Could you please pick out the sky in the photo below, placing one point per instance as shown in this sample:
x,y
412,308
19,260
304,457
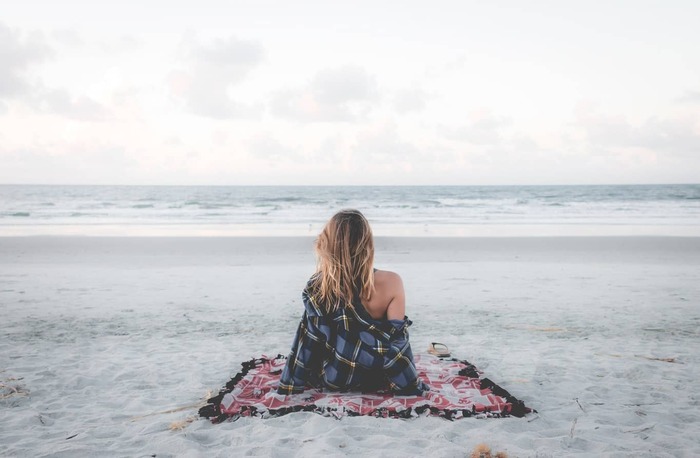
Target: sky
x,y
263,92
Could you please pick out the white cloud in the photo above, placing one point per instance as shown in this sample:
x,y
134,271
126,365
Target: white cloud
x,y
78,163
344,84
68,37
331,149
212,70
410,100
382,144
123,43
342,94
265,146
690,97
18,52
662,135
61,102
482,128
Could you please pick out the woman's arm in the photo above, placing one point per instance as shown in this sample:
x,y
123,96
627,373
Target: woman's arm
x,y
304,360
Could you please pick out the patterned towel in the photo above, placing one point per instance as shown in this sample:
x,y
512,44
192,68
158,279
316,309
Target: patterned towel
x,y
456,391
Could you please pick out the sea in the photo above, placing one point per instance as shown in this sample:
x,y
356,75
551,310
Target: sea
x,y
451,211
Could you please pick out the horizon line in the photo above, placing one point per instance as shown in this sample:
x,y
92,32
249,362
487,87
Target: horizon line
x,y
344,185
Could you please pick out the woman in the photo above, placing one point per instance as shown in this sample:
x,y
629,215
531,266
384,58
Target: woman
x,y
353,334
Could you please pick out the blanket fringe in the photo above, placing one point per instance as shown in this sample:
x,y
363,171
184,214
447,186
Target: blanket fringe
x,y
212,410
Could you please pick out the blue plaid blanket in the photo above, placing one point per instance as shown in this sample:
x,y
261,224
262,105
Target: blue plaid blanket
x,y
349,350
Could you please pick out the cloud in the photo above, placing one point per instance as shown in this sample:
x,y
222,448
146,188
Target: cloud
x,y
61,102
72,39
344,84
123,43
675,136
68,37
382,144
18,52
689,97
265,146
483,128
77,163
410,100
331,149
212,69
343,94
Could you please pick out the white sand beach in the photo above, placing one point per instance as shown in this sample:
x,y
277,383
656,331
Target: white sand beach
x,y
100,335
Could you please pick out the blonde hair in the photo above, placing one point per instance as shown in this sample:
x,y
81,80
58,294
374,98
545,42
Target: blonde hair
x,y
345,255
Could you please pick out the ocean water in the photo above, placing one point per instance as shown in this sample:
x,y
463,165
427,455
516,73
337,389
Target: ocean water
x,y
392,210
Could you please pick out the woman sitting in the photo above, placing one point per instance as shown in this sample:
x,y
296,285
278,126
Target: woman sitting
x,y
353,334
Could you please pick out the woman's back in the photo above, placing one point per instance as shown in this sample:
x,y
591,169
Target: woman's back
x,y
354,332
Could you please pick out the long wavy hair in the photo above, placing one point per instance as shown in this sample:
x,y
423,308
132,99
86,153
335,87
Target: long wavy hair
x,y
345,259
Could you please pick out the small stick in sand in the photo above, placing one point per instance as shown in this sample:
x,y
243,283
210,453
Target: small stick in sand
x,y
664,360
537,328
175,409
182,424
650,358
573,426
14,391
580,406
640,430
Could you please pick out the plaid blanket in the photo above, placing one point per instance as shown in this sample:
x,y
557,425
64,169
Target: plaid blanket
x,y
349,350
457,390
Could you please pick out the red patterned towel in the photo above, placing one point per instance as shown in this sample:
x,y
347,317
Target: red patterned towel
x,y
456,391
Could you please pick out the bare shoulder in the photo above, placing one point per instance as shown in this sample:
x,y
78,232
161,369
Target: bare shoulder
x,y
390,294
386,279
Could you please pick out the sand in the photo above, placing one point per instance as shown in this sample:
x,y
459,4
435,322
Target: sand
x,y
101,334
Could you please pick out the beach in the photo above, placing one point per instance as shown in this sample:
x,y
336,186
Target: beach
x,y
530,173
105,339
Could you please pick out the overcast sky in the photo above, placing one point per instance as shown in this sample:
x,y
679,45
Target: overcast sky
x,y
262,92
